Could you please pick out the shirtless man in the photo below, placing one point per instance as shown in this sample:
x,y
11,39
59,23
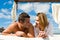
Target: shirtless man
x,y
22,28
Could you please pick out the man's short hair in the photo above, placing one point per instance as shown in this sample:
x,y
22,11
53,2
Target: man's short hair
x,y
22,17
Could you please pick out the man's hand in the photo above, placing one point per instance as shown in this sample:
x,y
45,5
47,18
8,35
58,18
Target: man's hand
x,y
20,34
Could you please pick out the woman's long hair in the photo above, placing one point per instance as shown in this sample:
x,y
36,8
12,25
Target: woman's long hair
x,y
42,20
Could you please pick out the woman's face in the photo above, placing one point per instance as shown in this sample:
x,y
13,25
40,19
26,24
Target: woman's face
x,y
37,21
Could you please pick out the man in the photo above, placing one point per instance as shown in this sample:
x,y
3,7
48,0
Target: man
x,y
21,28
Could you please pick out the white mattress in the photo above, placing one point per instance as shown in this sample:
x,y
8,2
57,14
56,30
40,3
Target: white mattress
x,y
2,37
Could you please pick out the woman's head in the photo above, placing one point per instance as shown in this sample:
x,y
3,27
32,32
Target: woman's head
x,y
41,20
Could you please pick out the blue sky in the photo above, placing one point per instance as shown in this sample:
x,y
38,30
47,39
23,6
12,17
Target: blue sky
x,y
31,8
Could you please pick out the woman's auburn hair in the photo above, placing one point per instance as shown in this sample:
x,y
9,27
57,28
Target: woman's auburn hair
x,y
43,20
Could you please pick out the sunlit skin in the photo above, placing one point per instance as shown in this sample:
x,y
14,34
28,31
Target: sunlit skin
x,y
17,29
37,21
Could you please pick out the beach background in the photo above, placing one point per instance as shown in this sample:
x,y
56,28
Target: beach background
x,y
32,8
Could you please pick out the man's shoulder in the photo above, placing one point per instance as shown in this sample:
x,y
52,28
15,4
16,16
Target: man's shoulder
x,y
14,23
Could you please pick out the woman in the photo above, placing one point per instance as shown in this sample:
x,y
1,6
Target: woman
x,y
42,27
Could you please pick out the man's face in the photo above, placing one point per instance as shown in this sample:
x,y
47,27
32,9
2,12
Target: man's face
x,y
27,21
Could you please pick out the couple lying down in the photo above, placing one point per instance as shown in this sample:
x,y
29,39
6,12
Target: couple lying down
x,y
23,27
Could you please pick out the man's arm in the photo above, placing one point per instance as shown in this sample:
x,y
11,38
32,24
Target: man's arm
x,y
9,29
31,31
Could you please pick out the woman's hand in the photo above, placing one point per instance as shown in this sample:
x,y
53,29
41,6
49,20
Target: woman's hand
x,y
42,34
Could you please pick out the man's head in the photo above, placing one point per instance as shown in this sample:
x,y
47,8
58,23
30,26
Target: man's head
x,y
24,17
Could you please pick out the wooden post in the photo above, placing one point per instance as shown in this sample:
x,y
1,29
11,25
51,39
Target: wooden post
x,y
37,0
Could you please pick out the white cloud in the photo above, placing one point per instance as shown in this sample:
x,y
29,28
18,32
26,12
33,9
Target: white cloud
x,y
32,17
49,15
38,7
25,7
41,7
6,24
6,11
5,16
9,2
1,15
5,3
56,30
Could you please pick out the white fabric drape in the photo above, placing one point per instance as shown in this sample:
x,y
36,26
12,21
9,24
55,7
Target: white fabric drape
x,y
56,13
13,12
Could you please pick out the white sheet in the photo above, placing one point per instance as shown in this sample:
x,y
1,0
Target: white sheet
x,y
2,37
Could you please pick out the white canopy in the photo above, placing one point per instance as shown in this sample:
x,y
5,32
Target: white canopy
x,y
13,12
56,12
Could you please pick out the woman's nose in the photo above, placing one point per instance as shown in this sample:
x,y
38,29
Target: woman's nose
x,y
37,22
